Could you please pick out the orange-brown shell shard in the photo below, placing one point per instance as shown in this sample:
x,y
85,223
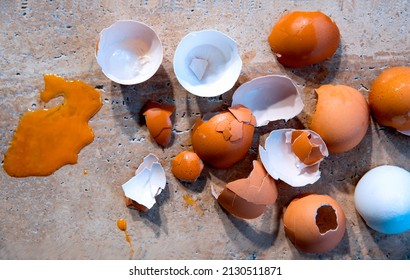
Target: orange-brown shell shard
x,y
308,152
47,139
187,166
158,120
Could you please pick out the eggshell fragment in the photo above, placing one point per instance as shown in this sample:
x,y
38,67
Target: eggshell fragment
x,y
382,198
293,156
314,223
222,139
187,166
129,52
270,98
207,63
342,117
389,98
148,182
247,198
158,120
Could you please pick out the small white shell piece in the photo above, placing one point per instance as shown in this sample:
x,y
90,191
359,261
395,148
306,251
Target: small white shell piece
x,y
281,162
148,182
129,52
207,63
270,98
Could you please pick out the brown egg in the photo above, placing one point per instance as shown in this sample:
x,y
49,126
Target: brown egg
x,y
187,166
247,198
342,117
302,38
223,139
314,223
158,120
389,98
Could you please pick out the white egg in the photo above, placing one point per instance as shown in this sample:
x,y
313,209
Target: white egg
x,y
382,198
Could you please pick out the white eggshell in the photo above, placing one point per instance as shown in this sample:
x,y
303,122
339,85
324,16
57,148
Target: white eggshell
x,y
270,98
382,198
129,52
148,182
219,61
281,163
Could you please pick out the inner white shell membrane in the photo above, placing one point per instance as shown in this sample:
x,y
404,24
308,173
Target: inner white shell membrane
x,y
129,52
220,63
270,98
281,163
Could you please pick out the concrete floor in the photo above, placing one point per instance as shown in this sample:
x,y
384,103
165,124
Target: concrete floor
x,y
72,215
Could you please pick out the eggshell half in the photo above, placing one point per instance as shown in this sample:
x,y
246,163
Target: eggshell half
x,y
314,223
158,120
342,117
129,52
224,138
187,166
382,198
270,98
293,156
207,63
389,98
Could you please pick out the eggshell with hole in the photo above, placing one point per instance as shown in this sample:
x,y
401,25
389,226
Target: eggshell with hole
x,y
314,223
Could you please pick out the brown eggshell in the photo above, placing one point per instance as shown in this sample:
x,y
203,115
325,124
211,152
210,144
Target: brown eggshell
x,y
308,152
187,166
135,205
223,140
258,188
314,223
389,98
158,120
342,117
238,206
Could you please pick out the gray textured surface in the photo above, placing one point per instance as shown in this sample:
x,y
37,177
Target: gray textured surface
x,y
72,215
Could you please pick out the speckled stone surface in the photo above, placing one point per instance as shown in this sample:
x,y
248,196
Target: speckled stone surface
x,y
72,214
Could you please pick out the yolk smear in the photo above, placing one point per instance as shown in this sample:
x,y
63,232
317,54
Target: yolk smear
x,y
47,139
190,201
122,225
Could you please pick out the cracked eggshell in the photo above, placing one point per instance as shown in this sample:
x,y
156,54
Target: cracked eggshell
x,y
314,223
293,156
158,120
207,63
187,166
382,198
342,117
222,139
270,98
129,52
148,182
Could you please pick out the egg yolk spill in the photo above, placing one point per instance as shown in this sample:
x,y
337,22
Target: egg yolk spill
x,y
326,219
47,139
190,201
122,225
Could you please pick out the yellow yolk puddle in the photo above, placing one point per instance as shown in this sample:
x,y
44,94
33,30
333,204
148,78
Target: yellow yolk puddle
x,y
47,139
190,201
122,225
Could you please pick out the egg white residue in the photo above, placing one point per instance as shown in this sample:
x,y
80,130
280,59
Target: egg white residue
x,y
148,182
281,162
382,198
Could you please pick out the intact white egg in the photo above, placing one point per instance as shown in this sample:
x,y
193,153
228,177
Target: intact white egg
x,y
382,198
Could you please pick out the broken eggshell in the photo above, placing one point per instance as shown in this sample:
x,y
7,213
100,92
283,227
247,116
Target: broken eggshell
x,y
207,63
293,156
148,182
270,98
223,139
187,166
158,120
129,52
314,223
247,198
